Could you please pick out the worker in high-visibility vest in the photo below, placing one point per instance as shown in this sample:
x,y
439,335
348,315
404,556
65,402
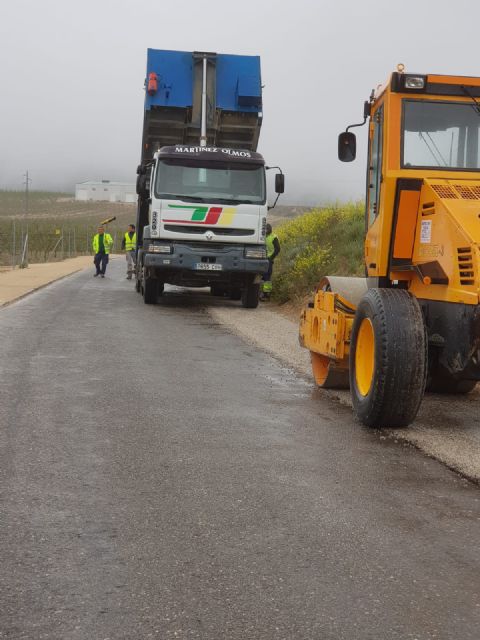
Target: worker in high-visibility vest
x,y
129,243
102,243
273,249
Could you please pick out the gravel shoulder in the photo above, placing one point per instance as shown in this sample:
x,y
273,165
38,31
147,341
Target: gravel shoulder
x,y
447,427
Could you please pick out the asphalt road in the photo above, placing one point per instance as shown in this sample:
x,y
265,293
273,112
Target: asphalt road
x,y
160,478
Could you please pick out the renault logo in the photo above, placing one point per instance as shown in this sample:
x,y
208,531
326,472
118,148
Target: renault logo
x,y
209,235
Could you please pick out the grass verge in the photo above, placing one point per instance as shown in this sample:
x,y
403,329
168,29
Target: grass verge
x,y
324,241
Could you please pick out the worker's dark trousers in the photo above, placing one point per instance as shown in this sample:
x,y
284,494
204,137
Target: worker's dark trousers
x,y
100,261
268,273
266,288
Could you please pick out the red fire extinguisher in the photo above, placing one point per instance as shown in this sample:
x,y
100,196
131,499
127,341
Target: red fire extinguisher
x,y
152,85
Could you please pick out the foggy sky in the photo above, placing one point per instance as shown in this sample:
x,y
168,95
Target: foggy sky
x,y
71,101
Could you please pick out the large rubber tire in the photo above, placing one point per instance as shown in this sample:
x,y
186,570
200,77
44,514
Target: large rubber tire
x,y
235,294
444,383
150,291
250,296
217,291
388,358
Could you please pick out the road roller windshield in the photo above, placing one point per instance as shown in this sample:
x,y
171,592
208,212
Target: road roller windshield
x,y
440,135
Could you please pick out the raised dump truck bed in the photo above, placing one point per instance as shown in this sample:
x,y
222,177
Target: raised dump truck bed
x,y
173,100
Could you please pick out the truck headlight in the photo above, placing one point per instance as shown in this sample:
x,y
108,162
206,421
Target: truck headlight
x,y
160,248
260,253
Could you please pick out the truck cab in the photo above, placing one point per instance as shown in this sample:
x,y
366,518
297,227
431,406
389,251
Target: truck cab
x,y
202,208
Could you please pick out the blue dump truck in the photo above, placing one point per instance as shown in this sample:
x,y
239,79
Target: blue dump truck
x,y
202,201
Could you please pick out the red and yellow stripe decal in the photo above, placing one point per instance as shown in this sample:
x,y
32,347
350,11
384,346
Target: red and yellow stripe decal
x,y
223,216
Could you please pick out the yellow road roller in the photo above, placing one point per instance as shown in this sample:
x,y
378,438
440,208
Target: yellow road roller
x,y
413,322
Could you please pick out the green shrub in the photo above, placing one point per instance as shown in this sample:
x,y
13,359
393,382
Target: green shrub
x,y
326,241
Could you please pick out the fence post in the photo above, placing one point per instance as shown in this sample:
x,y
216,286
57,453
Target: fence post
x,y
24,260
14,249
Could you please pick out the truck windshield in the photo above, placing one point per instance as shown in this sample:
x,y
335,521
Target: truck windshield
x,y
223,182
443,135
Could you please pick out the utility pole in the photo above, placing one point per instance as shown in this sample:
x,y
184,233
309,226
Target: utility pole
x,y
26,183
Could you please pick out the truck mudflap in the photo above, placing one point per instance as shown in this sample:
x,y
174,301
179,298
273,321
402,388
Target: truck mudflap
x,y
208,260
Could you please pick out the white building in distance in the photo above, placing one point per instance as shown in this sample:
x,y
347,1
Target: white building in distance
x,y
108,190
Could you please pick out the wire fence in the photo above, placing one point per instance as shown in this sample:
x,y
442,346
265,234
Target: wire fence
x,y
22,243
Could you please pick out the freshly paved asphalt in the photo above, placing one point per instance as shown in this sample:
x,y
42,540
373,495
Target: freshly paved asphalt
x,y
160,478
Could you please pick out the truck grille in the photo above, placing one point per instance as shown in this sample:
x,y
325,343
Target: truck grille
x,y
218,231
202,246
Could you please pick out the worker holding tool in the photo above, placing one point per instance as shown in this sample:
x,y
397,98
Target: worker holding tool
x,y
129,243
102,243
273,249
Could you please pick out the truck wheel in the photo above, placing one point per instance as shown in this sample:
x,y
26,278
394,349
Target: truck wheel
x,y
150,291
235,294
250,296
444,383
388,358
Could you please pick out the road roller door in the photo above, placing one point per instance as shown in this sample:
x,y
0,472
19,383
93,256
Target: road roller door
x,y
374,172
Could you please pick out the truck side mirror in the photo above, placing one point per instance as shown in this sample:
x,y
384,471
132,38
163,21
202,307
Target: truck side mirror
x,y
279,183
347,146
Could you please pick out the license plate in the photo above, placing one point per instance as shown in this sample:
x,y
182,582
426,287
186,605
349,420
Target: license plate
x,y
208,266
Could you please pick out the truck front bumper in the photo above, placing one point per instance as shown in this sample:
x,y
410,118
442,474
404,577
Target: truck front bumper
x,y
209,259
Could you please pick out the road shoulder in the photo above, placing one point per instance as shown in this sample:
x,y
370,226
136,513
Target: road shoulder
x,y
18,283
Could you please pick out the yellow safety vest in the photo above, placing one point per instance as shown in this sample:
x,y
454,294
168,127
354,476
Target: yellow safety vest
x,y
130,244
107,242
269,243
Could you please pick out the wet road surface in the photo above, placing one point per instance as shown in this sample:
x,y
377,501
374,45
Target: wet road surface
x,y
161,478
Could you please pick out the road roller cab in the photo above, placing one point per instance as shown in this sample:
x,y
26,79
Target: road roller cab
x,y
417,321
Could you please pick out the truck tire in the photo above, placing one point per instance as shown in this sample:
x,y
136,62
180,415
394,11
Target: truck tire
x,y
388,358
138,276
444,383
150,290
250,296
217,291
235,294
